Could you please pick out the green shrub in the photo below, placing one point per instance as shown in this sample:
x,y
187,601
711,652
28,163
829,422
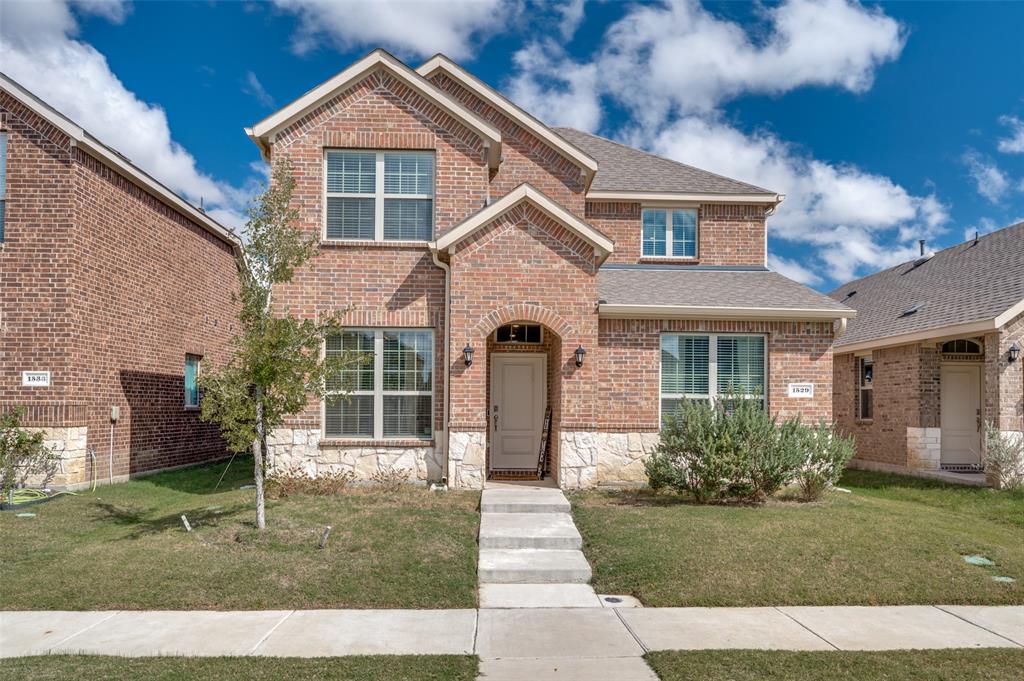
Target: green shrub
x,y
734,449
22,453
1004,458
730,450
824,454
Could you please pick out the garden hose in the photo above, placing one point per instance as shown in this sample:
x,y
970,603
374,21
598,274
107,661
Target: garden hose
x,y
26,495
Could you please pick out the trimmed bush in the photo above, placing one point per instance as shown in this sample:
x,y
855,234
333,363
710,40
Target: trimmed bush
x,y
734,450
23,454
824,454
1004,458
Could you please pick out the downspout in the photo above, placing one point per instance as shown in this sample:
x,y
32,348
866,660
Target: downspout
x,y
447,358
841,329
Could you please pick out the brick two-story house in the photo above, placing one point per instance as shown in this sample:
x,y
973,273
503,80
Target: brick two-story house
x,y
499,268
113,293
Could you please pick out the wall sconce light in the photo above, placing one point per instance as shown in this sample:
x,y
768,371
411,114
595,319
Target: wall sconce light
x,y
580,353
1014,352
467,354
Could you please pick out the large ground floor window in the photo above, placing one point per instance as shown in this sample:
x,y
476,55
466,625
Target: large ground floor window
x,y
390,394
710,366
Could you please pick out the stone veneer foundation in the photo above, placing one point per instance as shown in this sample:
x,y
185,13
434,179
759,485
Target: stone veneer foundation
x,y
588,459
467,459
924,448
69,443
301,450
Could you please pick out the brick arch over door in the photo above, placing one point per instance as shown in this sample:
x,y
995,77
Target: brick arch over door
x,y
524,312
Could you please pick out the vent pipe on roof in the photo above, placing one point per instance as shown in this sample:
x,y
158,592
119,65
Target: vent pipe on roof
x,y
921,242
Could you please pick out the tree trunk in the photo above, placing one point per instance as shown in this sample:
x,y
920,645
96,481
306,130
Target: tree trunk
x,y
258,449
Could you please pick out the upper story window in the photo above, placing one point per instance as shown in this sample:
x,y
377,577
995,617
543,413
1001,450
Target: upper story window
x,y
3,182
192,380
380,195
669,233
865,388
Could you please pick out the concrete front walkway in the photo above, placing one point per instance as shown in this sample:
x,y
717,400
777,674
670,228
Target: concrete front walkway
x,y
513,639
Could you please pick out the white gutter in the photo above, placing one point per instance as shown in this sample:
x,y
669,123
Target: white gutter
x,y
447,360
671,197
607,311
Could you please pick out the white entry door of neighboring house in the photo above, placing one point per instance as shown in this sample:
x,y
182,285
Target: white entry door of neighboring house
x,y
518,393
961,414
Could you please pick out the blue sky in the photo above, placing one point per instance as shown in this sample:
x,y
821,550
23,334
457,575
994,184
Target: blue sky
x,y
882,123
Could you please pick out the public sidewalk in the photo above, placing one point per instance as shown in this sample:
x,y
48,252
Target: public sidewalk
x,y
508,634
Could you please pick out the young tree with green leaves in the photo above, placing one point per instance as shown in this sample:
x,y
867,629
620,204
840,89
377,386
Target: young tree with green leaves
x,y
277,361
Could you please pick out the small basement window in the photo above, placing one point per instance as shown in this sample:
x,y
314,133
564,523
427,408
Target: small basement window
x,y
519,333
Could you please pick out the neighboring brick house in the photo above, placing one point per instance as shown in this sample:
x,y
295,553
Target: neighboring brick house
x,y
498,267
112,289
933,355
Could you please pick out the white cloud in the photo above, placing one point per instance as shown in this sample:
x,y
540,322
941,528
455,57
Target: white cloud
x,y
1014,144
793,270
989,180
673,65
421,28
37,50
572,15
252,86
558,91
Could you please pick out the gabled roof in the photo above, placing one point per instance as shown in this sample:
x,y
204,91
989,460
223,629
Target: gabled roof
x,y
631,174
114,159
440,62
971,288
708,292
525,192
263,132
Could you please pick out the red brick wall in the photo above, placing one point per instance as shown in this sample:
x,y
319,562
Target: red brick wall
x,y
36,261
151,287
726,234
525,158
629,368
108,289
1004,380
523,267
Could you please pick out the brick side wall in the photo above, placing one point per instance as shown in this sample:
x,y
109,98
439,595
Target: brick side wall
x,y
36,261
726,234
1004,380
107,288
629,368
151,286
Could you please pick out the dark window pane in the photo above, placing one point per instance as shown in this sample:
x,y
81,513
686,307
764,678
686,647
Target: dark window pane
x,y
348,417
349,218
407,415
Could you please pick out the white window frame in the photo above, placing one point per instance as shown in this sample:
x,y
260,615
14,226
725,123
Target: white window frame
x,y
861,360
668,208
378,391
713,395
379,196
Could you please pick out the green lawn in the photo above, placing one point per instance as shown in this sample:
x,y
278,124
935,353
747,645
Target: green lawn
x,y
894,540
376,668
997,664
124,547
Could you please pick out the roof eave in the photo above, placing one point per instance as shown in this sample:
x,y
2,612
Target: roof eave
x,y
937,332
82,138
627,311
685,197
378,59
439,62
603,246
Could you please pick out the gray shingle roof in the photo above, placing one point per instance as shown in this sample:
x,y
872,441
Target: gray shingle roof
x,y
622,168
686,286
970,282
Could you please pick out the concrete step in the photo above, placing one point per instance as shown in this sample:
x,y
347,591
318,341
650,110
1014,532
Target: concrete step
x,y
528,531
533,566
524,500
538,596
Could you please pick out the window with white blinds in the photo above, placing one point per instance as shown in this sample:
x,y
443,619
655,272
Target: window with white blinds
x,y
390,394
669,232
710,366
380,195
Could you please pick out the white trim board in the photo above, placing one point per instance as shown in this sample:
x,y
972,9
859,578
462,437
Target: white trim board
x,y
611,311
94,147
525,192
440,62
263,132
670,197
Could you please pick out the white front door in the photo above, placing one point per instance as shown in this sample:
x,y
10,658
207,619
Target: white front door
x,y
518,392
961,414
